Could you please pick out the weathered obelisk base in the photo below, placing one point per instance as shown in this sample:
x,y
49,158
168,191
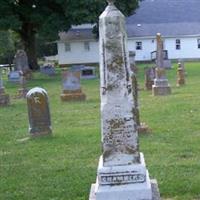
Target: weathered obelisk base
x,y
124,183
161,86
122,173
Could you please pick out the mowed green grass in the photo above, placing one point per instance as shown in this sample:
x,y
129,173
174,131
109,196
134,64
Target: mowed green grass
x,y
63,166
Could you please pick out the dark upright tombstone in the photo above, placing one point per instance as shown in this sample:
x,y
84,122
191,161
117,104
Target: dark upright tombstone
x,y
21,64
4,98
38,112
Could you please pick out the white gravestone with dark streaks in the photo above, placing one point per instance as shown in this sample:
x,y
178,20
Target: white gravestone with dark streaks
x,y
121,174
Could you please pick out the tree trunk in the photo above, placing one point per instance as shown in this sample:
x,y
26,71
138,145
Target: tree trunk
x,y
28,38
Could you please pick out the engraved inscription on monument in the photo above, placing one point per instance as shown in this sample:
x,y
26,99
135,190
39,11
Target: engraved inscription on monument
x,y
121,178
122,173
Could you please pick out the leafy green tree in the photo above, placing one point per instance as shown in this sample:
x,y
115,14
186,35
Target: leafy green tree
x,y
8,40
46,17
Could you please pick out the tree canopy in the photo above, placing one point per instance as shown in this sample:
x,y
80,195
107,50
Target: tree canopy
x,y
47,17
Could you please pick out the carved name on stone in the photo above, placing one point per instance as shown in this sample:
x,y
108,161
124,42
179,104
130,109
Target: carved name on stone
x,y
121,178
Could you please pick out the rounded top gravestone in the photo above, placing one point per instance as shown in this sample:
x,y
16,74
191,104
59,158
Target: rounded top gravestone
x,y
38,111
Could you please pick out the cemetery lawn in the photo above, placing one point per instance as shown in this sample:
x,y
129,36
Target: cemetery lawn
x,y
63,166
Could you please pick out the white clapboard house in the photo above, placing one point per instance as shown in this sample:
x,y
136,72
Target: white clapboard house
x,y
178,21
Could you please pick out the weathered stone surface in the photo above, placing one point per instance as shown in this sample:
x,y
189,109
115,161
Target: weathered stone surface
x,y
38,112
132,62
71,86
4,98
22,91
180,75
161,86
159,51
14,76
21,63
154,186
119,130
150,75
135,99
167,64
122,172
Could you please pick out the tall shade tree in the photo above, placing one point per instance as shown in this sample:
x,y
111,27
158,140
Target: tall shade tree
x,y
47,17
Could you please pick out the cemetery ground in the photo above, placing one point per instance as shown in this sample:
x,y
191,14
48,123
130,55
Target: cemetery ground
x,y
63,166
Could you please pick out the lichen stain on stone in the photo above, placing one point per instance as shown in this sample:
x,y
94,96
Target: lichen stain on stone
x,y
110,87
116,64
113,46
107,154
116,123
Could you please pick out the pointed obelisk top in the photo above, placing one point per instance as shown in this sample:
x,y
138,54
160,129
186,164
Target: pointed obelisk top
x,y
110,2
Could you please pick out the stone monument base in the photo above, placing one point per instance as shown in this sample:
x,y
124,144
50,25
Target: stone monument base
x,y
161,91
35,133
154,189
22,93
130,182
4,98
77,95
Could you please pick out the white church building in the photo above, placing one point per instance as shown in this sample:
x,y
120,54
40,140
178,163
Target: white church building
x,y
178,21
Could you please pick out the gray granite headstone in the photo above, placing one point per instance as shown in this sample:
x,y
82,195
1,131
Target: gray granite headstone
x,y
21,61
14,76
71,80
71,86
38,112
21,65
132,61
